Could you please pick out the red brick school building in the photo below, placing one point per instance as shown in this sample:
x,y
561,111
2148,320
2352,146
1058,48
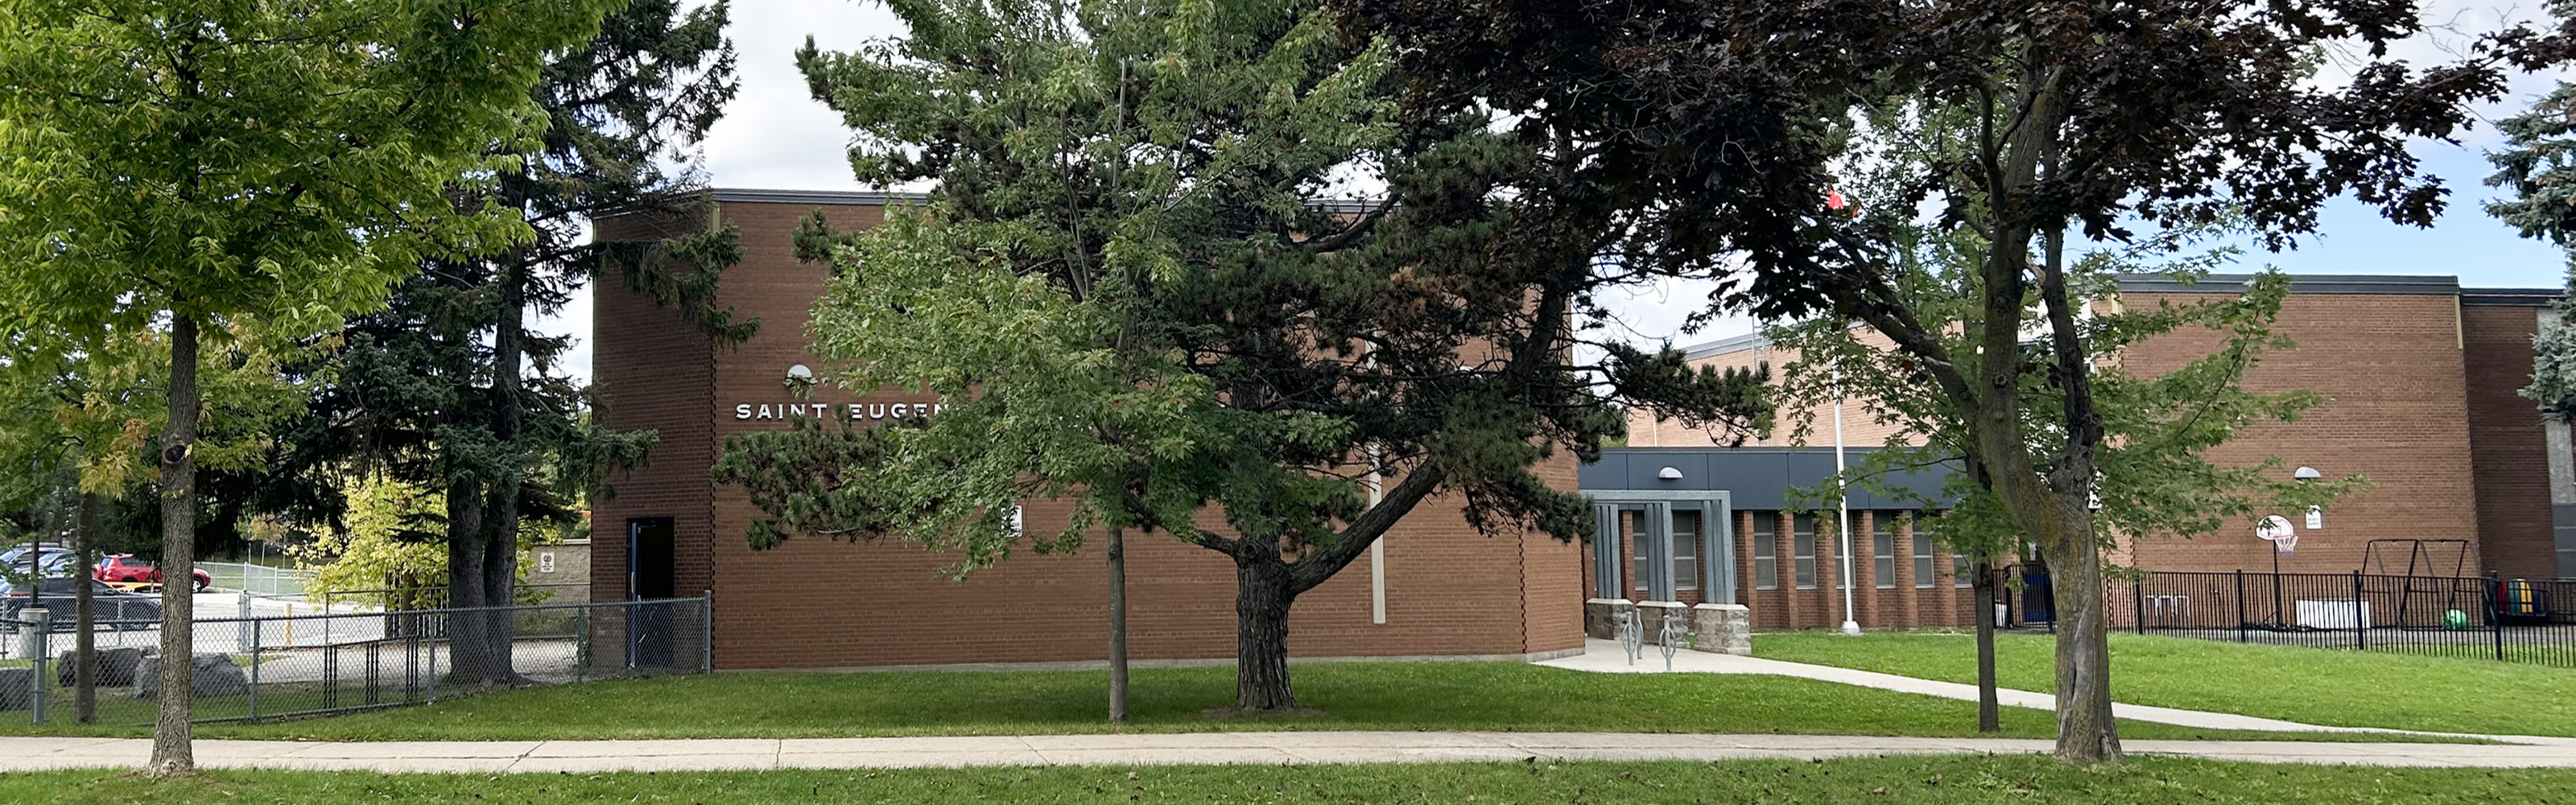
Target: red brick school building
x,y
2419,375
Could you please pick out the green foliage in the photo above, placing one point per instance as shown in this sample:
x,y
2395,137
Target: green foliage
x,y
390,545
1136,287
389,540
273,160
2538,164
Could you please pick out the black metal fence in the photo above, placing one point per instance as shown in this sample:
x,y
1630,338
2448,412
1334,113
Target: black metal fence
x,y
2495,618
252,668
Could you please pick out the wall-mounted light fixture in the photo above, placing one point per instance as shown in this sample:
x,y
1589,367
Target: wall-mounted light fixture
x,y
1669,474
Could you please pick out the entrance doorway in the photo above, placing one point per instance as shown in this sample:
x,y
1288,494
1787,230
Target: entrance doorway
x,y
651,575
1681,541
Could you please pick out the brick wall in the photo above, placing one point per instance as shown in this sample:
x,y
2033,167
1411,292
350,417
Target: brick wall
x,y
818,603
2391,370
1860,429
2508,454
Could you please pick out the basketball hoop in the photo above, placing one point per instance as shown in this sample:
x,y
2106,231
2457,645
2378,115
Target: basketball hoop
x,y
2276,530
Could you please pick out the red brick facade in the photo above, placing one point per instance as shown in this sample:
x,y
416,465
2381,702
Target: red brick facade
x,y
2419,380
816,603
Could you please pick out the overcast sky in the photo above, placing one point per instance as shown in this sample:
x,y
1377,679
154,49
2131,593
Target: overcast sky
x,y
775,135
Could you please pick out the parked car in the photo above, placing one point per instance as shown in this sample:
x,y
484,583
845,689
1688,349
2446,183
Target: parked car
x,y
125,568
44,564
111,608
9,554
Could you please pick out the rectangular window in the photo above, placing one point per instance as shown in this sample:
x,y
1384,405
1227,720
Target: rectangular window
x,y
1882,548
1766,551
1923,557
1960,575
1686,550
1640,565
1802,536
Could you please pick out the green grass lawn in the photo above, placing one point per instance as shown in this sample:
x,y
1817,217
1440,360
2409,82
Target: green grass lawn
x,y
1341,696
1949,779
2311,685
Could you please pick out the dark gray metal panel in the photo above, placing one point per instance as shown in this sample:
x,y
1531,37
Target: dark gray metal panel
x,y
869,198
1605,552
2429,285
1755,478
2563,517
2509,297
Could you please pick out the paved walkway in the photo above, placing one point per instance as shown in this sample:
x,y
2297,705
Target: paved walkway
x,y
492,757
1606,656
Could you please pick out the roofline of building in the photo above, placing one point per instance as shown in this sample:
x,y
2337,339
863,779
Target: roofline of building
x,y
2406,284
2422,284
871,198
2509,297
882,198
1733,343
1756,449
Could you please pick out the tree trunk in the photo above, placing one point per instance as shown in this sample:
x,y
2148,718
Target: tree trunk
x,y
1118,625
467,663
173,750
85,614
1989,707
2085,731
1263,594
501,547
500,582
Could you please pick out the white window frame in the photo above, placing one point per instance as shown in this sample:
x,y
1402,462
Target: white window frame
x,y
1766,550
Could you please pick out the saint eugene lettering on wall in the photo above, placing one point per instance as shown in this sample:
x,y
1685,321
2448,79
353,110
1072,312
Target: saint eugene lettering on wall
x,y
858,411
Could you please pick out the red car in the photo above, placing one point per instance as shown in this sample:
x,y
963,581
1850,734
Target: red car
x,y
123,568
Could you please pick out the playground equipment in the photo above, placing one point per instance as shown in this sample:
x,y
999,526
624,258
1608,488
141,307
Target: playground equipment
x,y
2436,575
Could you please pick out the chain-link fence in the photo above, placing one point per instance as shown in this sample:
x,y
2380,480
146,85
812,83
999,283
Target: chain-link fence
x,y
393,598
256,579
249,668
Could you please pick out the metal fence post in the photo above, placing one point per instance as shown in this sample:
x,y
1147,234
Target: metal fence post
x,y
2495,610
2360,616
238,635
707,634
2241,635
330,665
581,644
39,650
2138,602
254,671
445,624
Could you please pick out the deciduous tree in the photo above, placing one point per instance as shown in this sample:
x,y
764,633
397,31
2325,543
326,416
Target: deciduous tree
x,y
199,166
2087,118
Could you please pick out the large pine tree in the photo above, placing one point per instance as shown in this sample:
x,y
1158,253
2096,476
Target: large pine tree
x,y
1140,284
447,389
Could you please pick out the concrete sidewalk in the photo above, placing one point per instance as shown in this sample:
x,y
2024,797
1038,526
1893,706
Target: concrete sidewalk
x,y
1266,748
1606,656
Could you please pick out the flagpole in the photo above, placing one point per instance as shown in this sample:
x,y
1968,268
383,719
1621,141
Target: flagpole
x,y
1842,504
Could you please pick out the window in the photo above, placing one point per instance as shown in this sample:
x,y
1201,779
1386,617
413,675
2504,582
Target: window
x,y
1640,566
1923,558
1686,550
1803,539
1882,548
1766,551
1960,575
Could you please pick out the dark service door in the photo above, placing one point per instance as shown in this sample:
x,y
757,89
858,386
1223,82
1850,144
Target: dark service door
x,y
650,576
